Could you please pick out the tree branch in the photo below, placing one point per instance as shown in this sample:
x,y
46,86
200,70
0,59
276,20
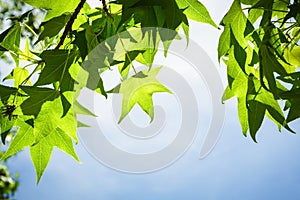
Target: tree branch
x,y
70,23
105,7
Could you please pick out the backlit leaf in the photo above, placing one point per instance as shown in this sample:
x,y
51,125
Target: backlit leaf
x,y
139,90
195,10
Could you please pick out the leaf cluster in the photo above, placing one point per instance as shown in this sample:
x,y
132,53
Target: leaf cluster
x,y
70,50
260,46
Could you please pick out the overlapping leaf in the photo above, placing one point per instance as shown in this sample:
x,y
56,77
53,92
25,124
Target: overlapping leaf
x,y
256,59
195,10
57,65
54,8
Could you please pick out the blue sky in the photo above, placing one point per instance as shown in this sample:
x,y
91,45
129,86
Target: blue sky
x,y
237,168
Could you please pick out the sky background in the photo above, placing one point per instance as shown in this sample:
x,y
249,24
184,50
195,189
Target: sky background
x,y
237,168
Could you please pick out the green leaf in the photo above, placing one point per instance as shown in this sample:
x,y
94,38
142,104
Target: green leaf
x,y
82,125
52,27
159,13
237,78
139,90
293,11
268,65
128,3
195,10
40,156
240,54
228,94
243,114
80,109
151,18
238,86
96,61
19,75
45,125
41,152
272,106
237,21
263,4
57,64
37,97
81,42
292,55
11,41
12,38
91,39
23,138
6,92
147,57
27,55
292,94
54,8
2,37
186,29
256,113
294,110
249,2
129,58
224,42
5,127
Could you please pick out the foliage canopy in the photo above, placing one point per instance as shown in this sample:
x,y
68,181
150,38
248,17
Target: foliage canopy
x,y
259,44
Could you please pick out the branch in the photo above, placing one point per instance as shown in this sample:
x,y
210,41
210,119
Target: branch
x,y
105,7
70,23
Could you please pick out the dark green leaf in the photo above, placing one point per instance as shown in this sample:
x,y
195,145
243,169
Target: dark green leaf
x,y
53,26
6,92
37,97
57,64
81,42
256,113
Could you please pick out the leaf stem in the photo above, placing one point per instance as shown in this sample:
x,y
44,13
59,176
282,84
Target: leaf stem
x,y
70,23
30,29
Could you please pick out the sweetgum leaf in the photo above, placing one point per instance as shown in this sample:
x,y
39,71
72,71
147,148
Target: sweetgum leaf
x,y
256,113
57,64
53,27
50,118
294,110
195,10
237,21
37,97
12,38
41,151
6,92
139,90
54,8
23,138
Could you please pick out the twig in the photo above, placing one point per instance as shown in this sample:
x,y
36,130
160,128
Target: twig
x,y
70,23
105,7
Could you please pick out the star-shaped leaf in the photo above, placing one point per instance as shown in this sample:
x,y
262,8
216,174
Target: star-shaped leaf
x,y
41,152
50,118
195,10
57,64
19,75
6,92
139,89
24,138
54,8
37,97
